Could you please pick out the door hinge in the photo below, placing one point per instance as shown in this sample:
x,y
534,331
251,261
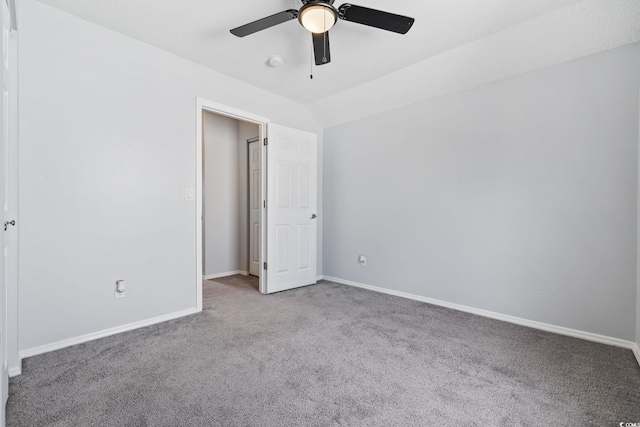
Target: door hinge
x,y
265,265
264,203
266,141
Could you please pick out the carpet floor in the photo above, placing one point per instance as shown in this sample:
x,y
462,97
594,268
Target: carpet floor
x,y
327,355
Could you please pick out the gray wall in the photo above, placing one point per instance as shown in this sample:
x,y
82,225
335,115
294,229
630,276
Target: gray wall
x,y
221,190
107,148
519,197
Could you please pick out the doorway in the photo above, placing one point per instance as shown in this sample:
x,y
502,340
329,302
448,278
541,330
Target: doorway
x,y
288,192
244,122
232,205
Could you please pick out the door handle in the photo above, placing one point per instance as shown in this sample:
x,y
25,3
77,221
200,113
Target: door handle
x,y
314,216
12,222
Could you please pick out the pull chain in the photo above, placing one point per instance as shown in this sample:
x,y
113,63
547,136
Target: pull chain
x,y
311,64
324,37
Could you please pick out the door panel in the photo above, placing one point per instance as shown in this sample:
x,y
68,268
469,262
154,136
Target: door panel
x,y
304,251
291,208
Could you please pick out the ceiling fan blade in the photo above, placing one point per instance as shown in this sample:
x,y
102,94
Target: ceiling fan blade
x,y
321,48
376,18
264,23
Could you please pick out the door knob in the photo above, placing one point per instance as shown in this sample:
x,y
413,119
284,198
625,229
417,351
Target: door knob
x,y
12,222
314,216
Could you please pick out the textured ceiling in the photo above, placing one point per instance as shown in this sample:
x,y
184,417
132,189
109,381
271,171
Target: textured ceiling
x,y
199,30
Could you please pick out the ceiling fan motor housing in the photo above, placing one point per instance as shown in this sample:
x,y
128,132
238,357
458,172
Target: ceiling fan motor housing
x,y
318,16
317,1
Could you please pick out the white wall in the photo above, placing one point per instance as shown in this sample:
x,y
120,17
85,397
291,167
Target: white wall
x,y
518,197
107,148
221,195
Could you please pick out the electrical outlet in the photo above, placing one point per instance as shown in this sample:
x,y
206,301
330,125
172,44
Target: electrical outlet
x,y
120,289
362,259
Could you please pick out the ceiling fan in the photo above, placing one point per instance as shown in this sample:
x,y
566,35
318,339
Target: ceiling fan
x,y
318,16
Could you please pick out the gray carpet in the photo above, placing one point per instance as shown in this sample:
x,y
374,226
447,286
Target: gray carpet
x,y
211,288
327,355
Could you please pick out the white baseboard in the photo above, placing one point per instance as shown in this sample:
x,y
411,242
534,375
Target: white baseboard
x,y
603,339
228,273
15,371
104,333
636,352
318,278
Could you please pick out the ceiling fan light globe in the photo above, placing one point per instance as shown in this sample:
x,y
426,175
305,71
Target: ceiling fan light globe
x,y
317,18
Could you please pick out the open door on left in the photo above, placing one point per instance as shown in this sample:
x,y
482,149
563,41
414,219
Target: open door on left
x,y
8,194
292,195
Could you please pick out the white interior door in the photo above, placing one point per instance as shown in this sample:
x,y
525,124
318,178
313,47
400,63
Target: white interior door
x,y
4,280
4,193
255,206
10,358
291,208
3,276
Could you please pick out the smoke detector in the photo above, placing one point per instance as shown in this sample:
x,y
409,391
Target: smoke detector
x,y
275,61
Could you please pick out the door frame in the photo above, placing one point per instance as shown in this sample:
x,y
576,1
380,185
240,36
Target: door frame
x,y
203,105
